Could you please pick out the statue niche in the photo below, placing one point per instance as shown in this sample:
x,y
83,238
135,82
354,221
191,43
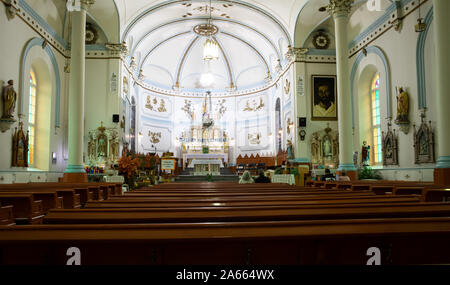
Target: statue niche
x,y
103,146
424,143
325,148
390,147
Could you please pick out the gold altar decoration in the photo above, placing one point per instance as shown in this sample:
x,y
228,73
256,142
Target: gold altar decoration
x,y
103,146
155,137
152,105
20,148
188,109
254,138
254,106
325,148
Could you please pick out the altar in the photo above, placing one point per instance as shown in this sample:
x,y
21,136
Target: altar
x,y
206,166
189,158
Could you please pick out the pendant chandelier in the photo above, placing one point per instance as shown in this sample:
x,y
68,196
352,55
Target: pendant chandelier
x,y
210,48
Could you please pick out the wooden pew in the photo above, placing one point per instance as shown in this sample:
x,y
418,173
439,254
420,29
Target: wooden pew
x,y
244,214
118,203
6,215
401,241
25,208
50,200
71,199
381,190
436,195
408,190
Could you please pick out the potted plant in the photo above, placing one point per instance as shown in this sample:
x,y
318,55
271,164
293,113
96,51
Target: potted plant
x,y
367,173
278,170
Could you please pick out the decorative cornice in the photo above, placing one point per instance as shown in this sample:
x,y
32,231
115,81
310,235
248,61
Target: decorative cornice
x,y
86,4
296,54
12,8
231,92
118,49
339,8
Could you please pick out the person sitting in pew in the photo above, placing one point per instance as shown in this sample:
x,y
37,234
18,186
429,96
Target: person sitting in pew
x,y
246,178
262,177
328,175
343,177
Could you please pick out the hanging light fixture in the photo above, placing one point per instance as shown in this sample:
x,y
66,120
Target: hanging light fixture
x,y
210,48
420,26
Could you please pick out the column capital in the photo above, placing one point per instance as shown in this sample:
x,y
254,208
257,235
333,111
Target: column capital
x,y
86,4
296,54
118,49
339,8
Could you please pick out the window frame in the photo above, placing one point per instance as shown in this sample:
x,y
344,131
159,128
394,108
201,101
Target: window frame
x,y
375,120
32,118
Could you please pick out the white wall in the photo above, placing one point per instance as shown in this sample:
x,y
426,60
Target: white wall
x,y
16,34
400,50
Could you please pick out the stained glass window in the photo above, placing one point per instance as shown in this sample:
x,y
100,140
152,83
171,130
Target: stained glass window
x,y
32,117
376,120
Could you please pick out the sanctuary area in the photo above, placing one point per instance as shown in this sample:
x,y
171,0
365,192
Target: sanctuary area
x,y
225,132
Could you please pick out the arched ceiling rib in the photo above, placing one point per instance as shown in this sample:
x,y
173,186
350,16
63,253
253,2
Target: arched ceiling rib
x,y
252,47
248,37
136,46
230,74
177,83
159,44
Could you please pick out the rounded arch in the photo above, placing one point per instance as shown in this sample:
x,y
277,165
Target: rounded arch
x,y
387,79
369,72
420,57
37,72
23,75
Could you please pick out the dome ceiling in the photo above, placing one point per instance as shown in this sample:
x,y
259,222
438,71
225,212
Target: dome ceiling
x,y
165,46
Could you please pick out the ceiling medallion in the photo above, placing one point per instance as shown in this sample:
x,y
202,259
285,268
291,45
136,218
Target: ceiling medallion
x,y
206,30
321,40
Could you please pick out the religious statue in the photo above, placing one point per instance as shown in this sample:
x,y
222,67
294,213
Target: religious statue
x,y
20,148
91,147
125,150
402,107
365,152
327,148
290,149
122,123
102,146
424,142
402,119
102,142
390,146
114,147
9,98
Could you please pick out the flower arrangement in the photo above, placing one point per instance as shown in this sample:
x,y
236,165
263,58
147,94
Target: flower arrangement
x,y
128,165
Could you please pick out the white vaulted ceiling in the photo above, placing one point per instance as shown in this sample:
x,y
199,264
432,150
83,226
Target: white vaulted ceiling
x,y
160,37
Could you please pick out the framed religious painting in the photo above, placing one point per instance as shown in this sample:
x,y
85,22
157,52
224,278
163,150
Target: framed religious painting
x,y
324,98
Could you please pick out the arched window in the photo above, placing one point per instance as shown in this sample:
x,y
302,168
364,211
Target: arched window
x,y
376,120
32,117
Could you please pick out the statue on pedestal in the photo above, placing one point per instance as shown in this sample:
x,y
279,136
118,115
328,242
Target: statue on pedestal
x,y
9,98
365,153
402,119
